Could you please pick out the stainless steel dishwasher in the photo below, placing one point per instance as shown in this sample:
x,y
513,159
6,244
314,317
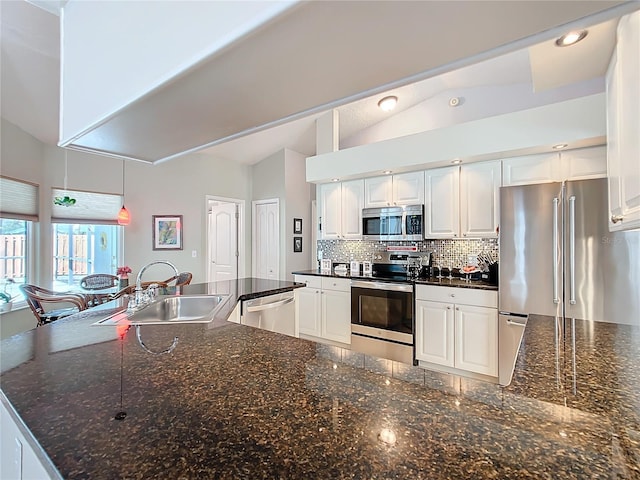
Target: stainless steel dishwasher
x,y
275,313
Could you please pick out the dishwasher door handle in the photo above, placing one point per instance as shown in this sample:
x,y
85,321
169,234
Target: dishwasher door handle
x,y
267,306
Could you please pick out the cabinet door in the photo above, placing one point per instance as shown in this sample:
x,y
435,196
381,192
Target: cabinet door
x,y
623,118
434,332
336,316
479,199
408,188
308,311
476,347
331,210
378,191
584,163
352,205
442,203
530,169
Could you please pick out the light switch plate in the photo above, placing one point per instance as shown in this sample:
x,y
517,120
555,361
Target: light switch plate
x,y
194,253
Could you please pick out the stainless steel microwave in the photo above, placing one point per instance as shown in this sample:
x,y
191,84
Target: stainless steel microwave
x,y
393,223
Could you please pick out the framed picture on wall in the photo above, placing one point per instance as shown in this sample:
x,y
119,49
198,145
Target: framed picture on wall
x,y
167,232
297,226
297,244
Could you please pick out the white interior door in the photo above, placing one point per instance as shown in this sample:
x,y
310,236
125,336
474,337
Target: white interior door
x,y
223,242
266,240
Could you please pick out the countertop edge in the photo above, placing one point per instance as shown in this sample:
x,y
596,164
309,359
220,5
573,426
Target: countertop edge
x,y
444,282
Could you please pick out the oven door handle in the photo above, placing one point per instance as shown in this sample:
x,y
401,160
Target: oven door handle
x,y
395,287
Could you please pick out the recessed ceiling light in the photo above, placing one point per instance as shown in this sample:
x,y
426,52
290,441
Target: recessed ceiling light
x,y
571,38
560,146
387,172
456,161
388,103
335,179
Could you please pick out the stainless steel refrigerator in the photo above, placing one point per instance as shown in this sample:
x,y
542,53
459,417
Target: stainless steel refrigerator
x,y
558,259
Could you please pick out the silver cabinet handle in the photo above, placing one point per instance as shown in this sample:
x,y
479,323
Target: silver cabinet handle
x,y
616,218
572,250
516,323
554,239
448,308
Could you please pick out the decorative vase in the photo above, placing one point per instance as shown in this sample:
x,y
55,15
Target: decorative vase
x,y
124,281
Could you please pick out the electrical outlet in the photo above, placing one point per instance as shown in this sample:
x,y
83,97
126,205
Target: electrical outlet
x,y
194,253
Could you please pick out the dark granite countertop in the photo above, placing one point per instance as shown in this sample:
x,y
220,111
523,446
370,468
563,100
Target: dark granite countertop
x,y
445,282
233,401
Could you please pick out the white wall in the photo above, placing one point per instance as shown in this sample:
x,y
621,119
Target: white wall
x,y
282,176
178,187
297,205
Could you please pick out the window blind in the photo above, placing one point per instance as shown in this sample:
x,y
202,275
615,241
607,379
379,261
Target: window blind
x,y
18,199
90,207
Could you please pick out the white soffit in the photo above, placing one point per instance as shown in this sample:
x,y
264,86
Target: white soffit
x,y
553,66
318,56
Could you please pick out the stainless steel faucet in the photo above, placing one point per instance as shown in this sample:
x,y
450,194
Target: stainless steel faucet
x,y
141,297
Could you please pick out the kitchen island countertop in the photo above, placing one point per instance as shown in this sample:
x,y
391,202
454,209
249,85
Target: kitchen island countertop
x,y
233,401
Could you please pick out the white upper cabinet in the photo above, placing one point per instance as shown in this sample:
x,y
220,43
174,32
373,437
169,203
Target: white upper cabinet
x,y
623,125
352,205
442,210
331,210
578,164
530,169
378,191
408,188
341,207
480,199
399,189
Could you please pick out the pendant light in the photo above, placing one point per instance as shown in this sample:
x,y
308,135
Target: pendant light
x,y
123,214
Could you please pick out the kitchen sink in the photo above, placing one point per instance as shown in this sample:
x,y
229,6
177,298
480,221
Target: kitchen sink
x,y
171,310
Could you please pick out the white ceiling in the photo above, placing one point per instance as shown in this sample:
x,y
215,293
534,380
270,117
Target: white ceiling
x,y
30,82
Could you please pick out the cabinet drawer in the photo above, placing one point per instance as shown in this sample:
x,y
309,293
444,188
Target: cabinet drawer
x,y
462,296
340,284
309,280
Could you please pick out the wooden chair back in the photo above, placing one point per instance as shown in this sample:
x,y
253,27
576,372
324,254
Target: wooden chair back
x,y
37,297
99,281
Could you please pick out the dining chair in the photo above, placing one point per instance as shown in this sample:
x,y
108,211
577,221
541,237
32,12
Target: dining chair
x,y
183,278
99,281
38,297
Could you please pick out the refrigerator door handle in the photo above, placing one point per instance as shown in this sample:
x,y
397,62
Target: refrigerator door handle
x,y
572,249
556,298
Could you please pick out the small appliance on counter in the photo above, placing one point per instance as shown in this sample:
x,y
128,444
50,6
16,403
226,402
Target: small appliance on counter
x,y
325,265
354,267
341,269
366,269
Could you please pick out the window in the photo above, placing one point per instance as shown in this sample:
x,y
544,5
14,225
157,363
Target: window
x,y
18,211
13,256
80,249
86,236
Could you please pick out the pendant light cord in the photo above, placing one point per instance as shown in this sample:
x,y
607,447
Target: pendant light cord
x,y
65,170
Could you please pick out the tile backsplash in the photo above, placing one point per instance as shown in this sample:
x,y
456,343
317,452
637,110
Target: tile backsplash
x,y
446,252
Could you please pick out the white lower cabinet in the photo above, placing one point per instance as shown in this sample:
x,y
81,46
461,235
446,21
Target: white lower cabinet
x,y
457,328
18,452
323,308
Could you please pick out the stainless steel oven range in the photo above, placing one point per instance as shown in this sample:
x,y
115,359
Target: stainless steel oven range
x,y
382,319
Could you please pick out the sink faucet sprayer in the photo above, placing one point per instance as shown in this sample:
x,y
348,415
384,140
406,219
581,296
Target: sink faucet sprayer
x,y
141,298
